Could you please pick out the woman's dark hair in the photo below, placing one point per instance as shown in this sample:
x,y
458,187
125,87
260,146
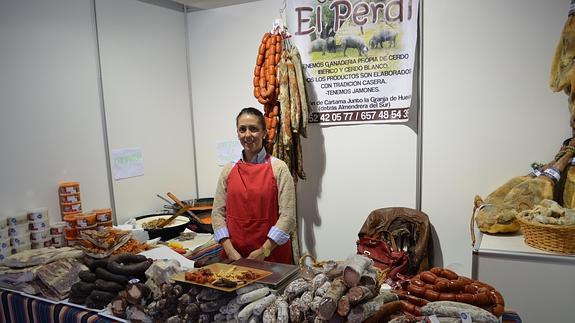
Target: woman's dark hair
x,y
254,112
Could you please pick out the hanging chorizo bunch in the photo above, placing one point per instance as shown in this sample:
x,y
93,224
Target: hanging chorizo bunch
x,y
293,111
279,86
265,82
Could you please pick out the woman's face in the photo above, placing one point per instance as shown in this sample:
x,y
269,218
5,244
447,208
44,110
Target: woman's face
x,y
250,133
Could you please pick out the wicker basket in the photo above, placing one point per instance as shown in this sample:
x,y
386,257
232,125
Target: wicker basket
x,y
549,237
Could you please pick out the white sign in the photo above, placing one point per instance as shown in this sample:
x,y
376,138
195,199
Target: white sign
x,y
357,57
228,151
127,162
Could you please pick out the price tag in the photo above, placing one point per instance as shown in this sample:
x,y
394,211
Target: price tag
x,y
465,317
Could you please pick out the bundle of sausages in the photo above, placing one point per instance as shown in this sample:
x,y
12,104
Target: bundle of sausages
x,y
266,88
279,86
106,278
439,284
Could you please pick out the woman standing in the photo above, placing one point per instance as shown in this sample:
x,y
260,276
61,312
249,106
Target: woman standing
x,y
254,205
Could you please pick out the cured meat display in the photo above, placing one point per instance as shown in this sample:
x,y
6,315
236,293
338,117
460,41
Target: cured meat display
x,y
498,212
279,86
56,278
440,284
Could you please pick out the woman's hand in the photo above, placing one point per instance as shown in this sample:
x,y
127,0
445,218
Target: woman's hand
x,y
264,251
231,252
257,254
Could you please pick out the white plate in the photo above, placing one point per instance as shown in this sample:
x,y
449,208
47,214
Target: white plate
x,y
177,221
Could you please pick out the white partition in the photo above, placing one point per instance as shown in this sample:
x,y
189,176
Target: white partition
x,y
50,114
145,86
351,169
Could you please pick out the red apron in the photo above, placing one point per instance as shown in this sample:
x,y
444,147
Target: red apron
x,y
252,209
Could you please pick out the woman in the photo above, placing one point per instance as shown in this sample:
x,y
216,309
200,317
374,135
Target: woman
x,y
254,206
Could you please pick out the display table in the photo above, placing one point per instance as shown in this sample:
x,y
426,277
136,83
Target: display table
x,y
22,308
537,284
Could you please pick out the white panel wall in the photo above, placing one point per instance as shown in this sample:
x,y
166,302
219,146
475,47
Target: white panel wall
x,y
487,109
351,169
50,116
145,84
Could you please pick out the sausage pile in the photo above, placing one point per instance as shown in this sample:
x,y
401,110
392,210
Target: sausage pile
x,y
439,284
106,278
333,291
279,86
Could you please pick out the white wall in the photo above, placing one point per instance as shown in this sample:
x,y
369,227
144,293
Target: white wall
x,y
351,169
487,109
50,116
145,86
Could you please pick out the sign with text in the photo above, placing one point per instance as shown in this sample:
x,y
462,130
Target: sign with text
x,y
127,162
357,57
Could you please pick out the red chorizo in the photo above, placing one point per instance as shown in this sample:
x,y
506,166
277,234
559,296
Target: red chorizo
x,y
466,280
436,270
260,60
496,297
471,289
273,41
417,282
430,286
428,277
456,285
275,109
416,290
262,49
409,308
447,297
268,122
269,91
256,81
431,295
414,299
265,37
449,274
482,299
498,310
268,43
262,100
464,298
441,284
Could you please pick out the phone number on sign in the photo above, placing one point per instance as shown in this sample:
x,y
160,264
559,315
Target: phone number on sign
x,y
360,115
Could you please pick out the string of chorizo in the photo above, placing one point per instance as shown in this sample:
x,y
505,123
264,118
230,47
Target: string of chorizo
x,y
440,284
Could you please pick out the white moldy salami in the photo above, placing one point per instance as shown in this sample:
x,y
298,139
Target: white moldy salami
x,y
454,309
232,307
270,313
254,295
320,291
295,314
317,281
354,267
305,301
315,303
297,287
264,303
283,312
